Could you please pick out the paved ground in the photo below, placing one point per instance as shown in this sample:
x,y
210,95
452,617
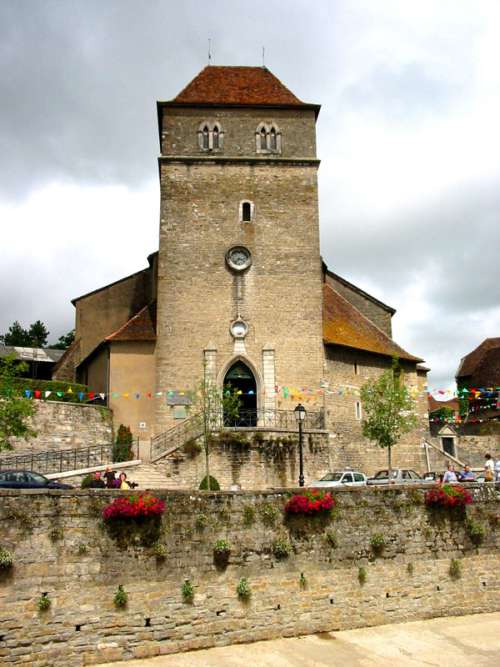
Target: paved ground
x,y
463,641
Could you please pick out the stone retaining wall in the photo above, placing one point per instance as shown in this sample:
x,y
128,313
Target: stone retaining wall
x,y
66,426
61,548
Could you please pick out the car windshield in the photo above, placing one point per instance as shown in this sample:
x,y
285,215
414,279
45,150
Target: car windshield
x,y
384,474
332,477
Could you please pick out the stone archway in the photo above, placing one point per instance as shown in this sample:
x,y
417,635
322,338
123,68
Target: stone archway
x,y
240,378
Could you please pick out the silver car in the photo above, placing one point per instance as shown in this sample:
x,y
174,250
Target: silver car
x,y
341,478
398,476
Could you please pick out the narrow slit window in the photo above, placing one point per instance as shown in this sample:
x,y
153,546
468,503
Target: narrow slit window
x,y
263,139
272,140
358,410
216,137
205,137
246,211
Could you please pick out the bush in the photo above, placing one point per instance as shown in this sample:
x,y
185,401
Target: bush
x,y
192,448
122,449
449,496
214,484
159,550
281,548
268,514
377,542
6,559
43,602
243,589
248,515
121,597
455,570
85,484
187,591
476,531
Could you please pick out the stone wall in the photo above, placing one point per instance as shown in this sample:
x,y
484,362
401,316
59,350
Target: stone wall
x,y
272,463
60,548
66,426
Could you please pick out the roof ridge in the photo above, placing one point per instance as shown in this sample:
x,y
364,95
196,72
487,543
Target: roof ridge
x,y
124,326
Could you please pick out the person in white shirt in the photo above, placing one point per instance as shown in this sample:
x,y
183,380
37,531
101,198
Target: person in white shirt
x,y
497,468
489,468
450,474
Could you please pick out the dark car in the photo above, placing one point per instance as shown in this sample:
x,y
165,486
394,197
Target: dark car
x,y
25,479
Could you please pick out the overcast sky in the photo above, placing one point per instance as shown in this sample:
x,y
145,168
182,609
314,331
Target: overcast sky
x,y
408,136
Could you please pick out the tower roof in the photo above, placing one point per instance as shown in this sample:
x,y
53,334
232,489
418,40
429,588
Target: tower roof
x,y
231,85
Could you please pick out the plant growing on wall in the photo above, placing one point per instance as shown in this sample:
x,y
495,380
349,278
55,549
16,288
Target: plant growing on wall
x,y
6,559
268,514
43,602
455,570
159,551
281,548
213,406
121,597
311,503
377,543
134,516
222,551
187,591
15,411
122,449
243,589
476,531
388,410
362,575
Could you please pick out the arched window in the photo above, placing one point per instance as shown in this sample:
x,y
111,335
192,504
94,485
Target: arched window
x,y
272,140
263,139
205,142
215,142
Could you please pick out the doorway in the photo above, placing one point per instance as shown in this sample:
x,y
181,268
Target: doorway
x,y
240,378
448,444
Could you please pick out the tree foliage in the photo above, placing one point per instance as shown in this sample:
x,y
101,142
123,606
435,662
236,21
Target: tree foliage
x,y
64,341
388,409
35,336
14,411
213,406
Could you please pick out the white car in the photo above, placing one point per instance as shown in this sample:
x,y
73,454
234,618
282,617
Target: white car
x,y
347,477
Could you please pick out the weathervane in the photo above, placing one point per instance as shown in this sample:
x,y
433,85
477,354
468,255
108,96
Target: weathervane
x,y
209,50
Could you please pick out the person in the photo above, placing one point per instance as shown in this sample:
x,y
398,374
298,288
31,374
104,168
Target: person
x,y
123,481
110,477
467,475
489,469
97,482
449,475
497,467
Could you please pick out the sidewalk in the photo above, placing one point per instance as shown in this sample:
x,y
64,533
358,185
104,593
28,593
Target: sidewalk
x,y
444,642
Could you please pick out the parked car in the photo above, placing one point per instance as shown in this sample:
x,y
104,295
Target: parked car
x,y
398,476
26,479
432,476
348,477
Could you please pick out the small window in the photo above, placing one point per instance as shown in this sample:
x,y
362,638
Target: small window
x,y
216,138
356,368
205,143
358,409
347,478
272,140
358,477
246,211
263,139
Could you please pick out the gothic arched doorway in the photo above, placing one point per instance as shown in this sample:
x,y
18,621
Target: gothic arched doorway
x,y
240,378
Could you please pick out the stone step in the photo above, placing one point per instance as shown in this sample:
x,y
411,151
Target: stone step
x,y
148,476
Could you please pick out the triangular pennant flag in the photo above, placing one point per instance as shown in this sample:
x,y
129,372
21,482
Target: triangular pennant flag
x,y
27,393
69,390
47,394
102,396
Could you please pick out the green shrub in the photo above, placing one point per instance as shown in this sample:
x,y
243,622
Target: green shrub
x,y
187,591
43,602
243,589
222,546
159,550
377,542
56,534
85,483
192,448
121,597
201,522
455,570
281,548
302,580
122,449
82,549
476,531
214,484
268,514
362,575
248,515
6,559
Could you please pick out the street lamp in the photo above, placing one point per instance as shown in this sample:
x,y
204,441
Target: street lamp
x,y
300,415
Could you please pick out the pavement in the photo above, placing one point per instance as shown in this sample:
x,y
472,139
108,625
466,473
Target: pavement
x,y
461,641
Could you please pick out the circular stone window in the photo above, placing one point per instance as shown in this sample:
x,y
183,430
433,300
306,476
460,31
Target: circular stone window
x,y
238,258
238,329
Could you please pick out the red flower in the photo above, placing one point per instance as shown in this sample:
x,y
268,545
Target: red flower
x,y
132,507
310,502
448,495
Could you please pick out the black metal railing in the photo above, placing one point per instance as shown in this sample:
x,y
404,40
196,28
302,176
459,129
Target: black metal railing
x,y
59,461
192,428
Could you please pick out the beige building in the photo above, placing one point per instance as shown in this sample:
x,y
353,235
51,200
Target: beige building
x,y
237,292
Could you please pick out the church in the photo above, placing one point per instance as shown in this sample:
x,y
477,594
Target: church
x,y
237,292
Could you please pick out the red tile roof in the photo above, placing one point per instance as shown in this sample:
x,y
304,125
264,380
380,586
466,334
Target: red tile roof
x,y
452,404
237,85
140,327
343,324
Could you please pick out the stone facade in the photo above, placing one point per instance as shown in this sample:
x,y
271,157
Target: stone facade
x,y
66,426
60,548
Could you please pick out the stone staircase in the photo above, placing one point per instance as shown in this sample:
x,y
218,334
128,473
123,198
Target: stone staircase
x,y
149,476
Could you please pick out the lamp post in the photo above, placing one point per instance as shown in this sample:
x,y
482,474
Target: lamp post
x,y
300,415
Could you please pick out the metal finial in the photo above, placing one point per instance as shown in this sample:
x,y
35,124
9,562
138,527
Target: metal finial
x,y
209,51
263,56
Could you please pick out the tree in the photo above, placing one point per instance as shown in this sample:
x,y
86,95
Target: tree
x,y
14,410
38,334
213,406
388,410
16,336
64,341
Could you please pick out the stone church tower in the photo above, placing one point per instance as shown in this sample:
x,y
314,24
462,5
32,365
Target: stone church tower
x,y
239,267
